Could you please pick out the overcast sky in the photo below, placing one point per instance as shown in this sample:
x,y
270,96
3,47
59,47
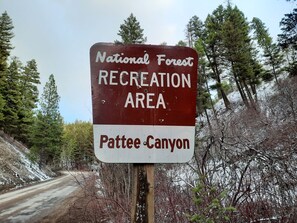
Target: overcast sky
x,y
59,33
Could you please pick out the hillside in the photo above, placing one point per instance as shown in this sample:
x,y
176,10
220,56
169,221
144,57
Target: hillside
x,y
16,169
244,167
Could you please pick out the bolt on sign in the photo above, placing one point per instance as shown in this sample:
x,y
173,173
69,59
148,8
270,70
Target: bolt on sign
x,y
144,102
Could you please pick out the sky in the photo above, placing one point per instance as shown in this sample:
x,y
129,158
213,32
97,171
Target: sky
x,y
58,34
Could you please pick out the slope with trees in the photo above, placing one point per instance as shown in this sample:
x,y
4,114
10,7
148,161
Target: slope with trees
x,y
244,167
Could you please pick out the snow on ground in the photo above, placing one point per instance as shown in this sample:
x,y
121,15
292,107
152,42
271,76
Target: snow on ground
x,y
16,169
264,92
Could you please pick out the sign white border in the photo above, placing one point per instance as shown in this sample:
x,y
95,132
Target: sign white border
x,y
179,148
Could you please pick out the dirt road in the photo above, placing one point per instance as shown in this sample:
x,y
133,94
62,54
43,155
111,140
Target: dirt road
x,y
31,204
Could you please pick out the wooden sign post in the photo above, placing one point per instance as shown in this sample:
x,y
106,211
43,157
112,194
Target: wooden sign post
x,y
143,194
144,106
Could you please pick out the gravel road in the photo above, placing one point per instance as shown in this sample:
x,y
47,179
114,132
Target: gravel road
x,y
34,203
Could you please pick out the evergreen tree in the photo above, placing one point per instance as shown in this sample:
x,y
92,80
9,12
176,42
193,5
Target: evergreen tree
x,y
209,35
50,98
215,49
203,101
288,39
12,96
195,30
46,132
272,54
6,35
29,82
29,93
181,43
237,43
289,28
131,32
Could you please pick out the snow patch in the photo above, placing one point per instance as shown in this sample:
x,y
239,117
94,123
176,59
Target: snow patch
x,y
16,169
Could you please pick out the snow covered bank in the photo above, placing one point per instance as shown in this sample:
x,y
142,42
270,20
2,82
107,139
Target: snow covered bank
x,y
16,169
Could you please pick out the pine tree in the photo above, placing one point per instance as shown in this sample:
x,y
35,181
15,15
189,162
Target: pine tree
x,y
288,39
237,43
6,35
30,80
131,32
12,96
203,101
272,54
50,99
46,132
289,28
209,35
29,94
195,30
181,43
215,49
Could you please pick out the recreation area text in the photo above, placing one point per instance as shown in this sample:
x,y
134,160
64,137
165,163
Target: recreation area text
x,y
148,79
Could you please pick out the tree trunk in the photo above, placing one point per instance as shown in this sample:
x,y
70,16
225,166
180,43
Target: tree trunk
x,y
239,87
224,96
251,99
211,102
254,91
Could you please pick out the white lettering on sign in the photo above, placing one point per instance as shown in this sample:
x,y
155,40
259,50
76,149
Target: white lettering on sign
x,y
161,58
121,58
148,100
144,79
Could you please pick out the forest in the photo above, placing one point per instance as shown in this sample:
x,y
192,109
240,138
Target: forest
x,y
245,159
34,119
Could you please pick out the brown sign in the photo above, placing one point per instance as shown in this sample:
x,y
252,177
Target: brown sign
x,y
143,84
144,102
